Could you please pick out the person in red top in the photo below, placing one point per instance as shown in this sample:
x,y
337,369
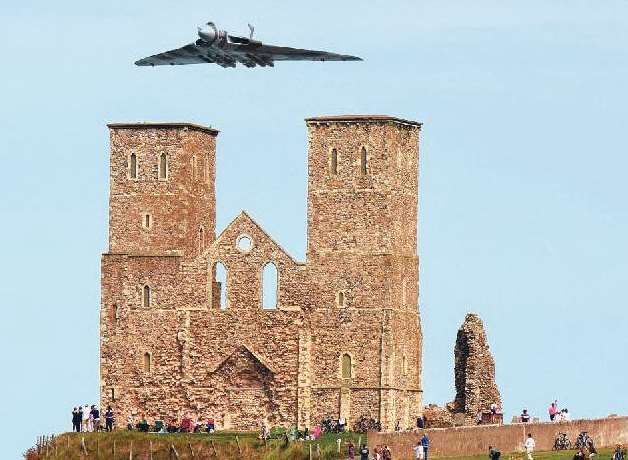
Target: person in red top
x,y
553,409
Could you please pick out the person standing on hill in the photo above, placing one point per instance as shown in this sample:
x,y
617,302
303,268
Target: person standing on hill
x,y
351,451
96,417
85,419
76,420
530,445
425,442
109,419
552,411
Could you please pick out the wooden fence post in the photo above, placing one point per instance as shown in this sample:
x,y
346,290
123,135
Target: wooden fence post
x,y
173,451
83,446
214,448
238,443
150,449
318,450
310,451
191,450
131,450
113,450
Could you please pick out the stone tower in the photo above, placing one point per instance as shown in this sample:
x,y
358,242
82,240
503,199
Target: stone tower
x,y
362,250
162,197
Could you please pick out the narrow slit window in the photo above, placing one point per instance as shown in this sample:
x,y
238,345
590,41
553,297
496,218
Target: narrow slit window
x,y
133,166
163,166
201,240
113,394
346,366
116,313
269,286
219,288
333,165
194,168
340,299
147,221
148,364
363,160
147,296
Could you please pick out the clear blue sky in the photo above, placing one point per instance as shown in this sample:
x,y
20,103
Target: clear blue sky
x,y
523,215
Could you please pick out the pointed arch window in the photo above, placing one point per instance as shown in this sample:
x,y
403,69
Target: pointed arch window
x,y
345,366
219,286
363,160
133,166
270,283
148,362
333,162
163,166
146,295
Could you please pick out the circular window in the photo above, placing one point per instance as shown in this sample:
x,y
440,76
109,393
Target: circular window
x,y
244,243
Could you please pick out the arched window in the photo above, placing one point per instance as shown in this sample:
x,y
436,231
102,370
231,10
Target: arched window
x,y
333,164
163,166
148,362
340,299
201,239
146,296
269,286
363,161
133,166
345,363
219,292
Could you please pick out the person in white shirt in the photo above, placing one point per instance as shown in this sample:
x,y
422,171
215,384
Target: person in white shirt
x,y
418,451
529,445
85,421
565,415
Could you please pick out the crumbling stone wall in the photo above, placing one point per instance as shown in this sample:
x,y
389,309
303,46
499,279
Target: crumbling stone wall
x,y
474,373
356,294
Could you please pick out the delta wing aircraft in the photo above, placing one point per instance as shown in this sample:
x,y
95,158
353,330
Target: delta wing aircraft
x,y
219,47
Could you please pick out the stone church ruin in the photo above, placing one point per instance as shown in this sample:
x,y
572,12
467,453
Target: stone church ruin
x,y
185,324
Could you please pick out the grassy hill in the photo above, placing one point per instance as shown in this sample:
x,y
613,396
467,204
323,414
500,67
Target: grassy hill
x,y
217,446
223,446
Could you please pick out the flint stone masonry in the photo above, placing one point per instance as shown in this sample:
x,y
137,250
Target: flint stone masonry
x,y
474,370
243,364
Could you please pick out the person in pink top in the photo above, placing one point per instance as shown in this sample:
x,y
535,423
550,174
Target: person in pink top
x,y
553,409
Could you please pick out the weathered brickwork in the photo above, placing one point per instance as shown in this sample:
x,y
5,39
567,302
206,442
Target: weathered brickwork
x,y
345,336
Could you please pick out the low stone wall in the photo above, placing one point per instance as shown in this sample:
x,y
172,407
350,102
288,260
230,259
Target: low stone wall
x,y
473,440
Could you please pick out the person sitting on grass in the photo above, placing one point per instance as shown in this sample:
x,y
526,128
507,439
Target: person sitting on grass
x,y
186,425
579,455
620,453
591,448
129,423
493,453
172,426
143,426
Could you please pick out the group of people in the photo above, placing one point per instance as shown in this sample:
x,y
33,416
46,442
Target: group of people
x,y
555,414
558,415
87,419
186,425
